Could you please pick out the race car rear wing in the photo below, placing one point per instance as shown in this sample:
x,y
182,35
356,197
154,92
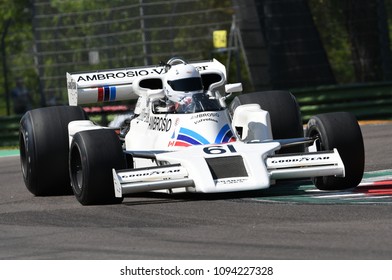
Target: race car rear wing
x,y
117,84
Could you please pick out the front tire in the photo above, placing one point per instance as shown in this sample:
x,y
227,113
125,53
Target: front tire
x,y
93,154
341,131
44,146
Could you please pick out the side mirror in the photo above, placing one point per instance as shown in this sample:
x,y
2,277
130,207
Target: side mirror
x,y
230,88
155,94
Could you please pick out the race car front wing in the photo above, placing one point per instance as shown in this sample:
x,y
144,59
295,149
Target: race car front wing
x,y
228,167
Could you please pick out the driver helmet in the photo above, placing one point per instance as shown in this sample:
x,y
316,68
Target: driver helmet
x,y
181,82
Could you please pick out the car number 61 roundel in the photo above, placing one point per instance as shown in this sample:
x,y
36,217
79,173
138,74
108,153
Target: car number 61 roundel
x,y
216,150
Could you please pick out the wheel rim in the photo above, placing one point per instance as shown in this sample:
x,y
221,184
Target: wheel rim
x,y
23,155
76,170
318,142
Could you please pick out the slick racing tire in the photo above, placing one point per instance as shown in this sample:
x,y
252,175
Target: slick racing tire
x,y
284,113
340,131
93,154
44,145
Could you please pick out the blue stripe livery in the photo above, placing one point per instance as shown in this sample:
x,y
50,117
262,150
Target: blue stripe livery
x,y
193,138
109,93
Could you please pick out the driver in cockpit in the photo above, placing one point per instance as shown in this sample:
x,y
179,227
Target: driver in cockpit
x,y
181,82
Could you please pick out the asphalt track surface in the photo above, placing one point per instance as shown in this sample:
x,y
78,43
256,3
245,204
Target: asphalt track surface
x,y
287,222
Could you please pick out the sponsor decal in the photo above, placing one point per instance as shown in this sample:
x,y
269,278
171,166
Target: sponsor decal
x,y
126,74
160,124
205,115
206,120
231,181
120,75
299,159
146,174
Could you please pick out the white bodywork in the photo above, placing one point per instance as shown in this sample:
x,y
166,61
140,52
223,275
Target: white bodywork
x,y
195,152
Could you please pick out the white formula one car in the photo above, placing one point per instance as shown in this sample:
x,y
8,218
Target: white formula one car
x,y
183,138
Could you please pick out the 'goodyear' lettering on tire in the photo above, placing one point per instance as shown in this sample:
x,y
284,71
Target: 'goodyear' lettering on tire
x,y
160,124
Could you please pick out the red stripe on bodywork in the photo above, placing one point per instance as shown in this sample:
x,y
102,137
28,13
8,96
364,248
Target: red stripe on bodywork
x,y
100,94
182,144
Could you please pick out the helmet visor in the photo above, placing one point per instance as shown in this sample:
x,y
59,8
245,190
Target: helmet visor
x,y
187,84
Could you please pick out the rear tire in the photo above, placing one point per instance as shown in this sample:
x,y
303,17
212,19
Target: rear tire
x,y
44,145
340,131
93,154
284,113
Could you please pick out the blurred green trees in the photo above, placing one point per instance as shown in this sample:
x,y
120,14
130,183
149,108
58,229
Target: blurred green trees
x,y
65,32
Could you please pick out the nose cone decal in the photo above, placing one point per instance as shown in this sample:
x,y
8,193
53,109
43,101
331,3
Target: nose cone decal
x,y
187,137
225,135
